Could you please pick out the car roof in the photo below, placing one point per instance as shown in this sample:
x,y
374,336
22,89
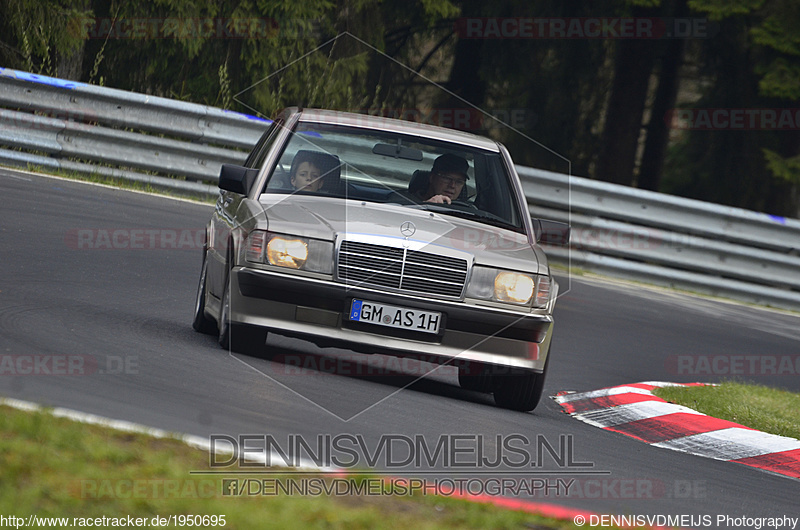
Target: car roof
x,y
381,123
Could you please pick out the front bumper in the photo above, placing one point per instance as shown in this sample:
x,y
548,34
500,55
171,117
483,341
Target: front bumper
x,y
318,310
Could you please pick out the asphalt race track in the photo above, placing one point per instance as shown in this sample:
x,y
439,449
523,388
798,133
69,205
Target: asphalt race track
x,y
106,328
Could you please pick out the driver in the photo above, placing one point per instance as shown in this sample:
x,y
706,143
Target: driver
x,y
447,178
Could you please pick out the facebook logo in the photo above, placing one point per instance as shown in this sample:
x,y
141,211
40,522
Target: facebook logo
x,y
230,486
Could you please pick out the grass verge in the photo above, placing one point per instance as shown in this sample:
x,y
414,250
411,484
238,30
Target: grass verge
x,y
55,467
766,409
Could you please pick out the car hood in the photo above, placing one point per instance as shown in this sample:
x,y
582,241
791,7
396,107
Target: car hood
x,y
336,219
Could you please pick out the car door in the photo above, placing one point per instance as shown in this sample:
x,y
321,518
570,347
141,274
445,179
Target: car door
x,y
223,220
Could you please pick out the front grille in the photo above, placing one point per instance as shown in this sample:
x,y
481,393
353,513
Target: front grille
x,y
402,269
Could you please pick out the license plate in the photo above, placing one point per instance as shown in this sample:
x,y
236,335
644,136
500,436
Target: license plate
x,y
395,317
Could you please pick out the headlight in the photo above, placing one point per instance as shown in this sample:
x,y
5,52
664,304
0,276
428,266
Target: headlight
x,y
513,287
283,252
509,287
289,251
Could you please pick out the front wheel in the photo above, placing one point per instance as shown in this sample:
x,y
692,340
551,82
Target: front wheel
x,y
520,389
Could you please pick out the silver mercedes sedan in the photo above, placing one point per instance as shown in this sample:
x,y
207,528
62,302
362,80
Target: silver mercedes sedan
x,y
386,237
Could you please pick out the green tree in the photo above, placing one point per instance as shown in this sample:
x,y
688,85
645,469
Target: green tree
x,y
272,53
279,52
551,91
779,34
41,36
745,66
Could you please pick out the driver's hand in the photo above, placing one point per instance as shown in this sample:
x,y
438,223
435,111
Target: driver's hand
x,y
440,199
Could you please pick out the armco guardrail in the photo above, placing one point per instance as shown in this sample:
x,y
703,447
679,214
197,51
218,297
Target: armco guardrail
x,y
617,230
657,238
148,139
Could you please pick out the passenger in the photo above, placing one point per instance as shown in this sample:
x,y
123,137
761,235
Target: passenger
x,y
446,180
305,174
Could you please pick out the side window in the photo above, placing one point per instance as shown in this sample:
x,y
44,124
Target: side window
x,y
259,153
494,192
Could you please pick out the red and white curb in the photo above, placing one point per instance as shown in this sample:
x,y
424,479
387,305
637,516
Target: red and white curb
x,y
634,411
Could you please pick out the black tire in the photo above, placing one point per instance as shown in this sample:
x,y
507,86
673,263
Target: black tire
x,y
236,337
201,322
475,376
520,389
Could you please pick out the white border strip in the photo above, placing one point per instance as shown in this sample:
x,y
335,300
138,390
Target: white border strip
x,y
272,459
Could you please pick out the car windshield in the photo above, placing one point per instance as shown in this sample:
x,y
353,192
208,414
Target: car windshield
x,y
385,167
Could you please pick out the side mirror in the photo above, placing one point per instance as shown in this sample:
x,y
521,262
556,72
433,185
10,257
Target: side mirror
x,y
551,232
238,179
